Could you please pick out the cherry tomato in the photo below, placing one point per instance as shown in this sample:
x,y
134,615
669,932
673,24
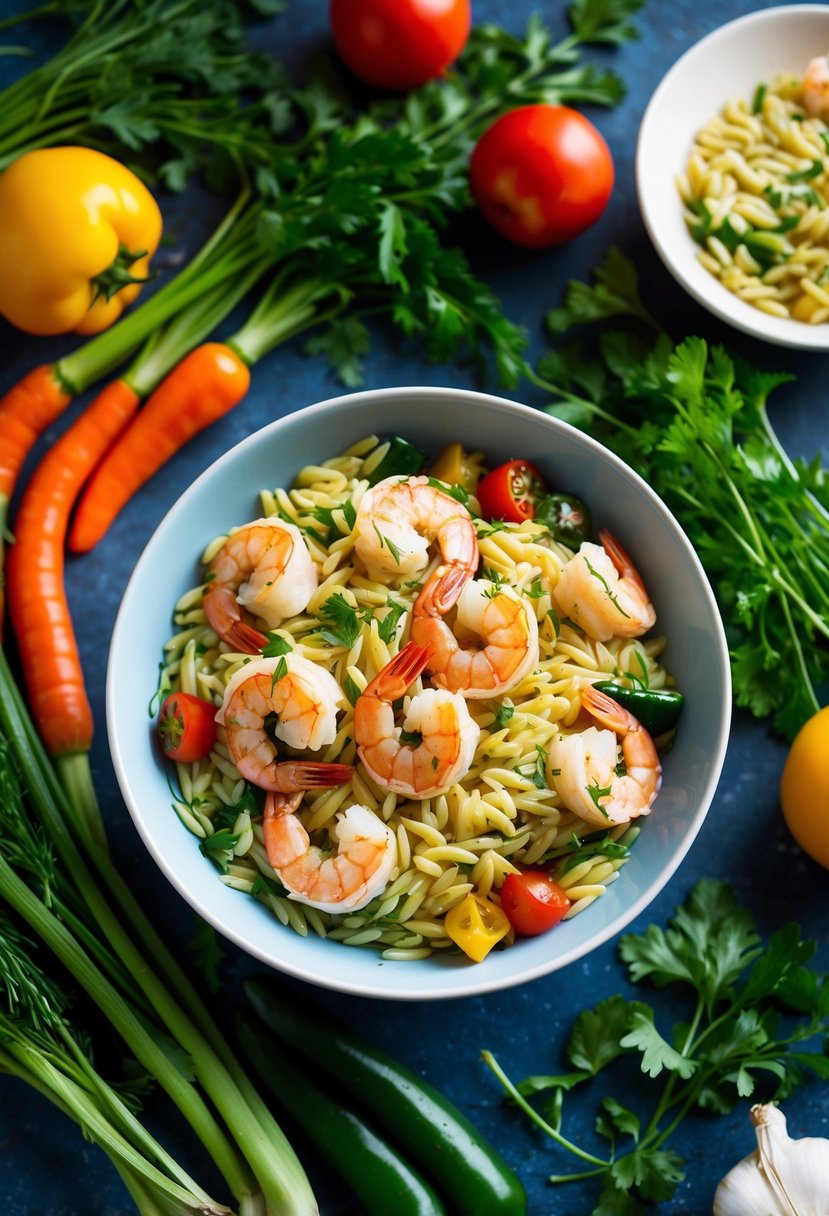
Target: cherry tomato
x,y
533,902
510,492
399,44
186,727
541,174
804,788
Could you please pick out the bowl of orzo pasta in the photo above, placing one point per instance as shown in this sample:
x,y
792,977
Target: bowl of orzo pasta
x,y
732,170
439,694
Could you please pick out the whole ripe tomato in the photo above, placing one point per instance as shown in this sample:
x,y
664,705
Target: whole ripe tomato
x,y
511,491
399,44
186,727
804,788
533,901
541,174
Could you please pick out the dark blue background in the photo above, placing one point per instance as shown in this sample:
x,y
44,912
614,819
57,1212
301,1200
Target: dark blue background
x,y
45,1165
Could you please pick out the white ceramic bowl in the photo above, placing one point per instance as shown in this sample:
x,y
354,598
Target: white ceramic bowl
x,y
730,62
227,494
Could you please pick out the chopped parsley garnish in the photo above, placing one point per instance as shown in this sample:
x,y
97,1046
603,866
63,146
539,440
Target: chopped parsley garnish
x,y
275,646
342,622
387,627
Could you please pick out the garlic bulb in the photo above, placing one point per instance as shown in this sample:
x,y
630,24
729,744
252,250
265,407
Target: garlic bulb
x,y
783,1177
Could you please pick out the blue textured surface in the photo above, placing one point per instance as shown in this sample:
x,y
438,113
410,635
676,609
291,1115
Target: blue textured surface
x,y
45,1166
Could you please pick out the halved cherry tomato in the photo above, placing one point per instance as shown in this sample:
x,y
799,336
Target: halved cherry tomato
x,y
511,491
186,727
533,902
399,44
541,174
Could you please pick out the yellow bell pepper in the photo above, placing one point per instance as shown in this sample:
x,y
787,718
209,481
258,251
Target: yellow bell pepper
x,y
453,466
476,924
77,231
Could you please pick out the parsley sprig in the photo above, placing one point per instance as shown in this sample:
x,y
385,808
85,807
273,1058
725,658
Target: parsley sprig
x,y
359,234
693,420
158,82
754,1019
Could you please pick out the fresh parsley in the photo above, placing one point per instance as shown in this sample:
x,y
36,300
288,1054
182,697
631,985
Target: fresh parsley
x,y
693,421
342,623
751,1023
538,773
275,646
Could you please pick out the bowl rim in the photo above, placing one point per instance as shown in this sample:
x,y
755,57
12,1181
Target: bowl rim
x,y
473,981
780,331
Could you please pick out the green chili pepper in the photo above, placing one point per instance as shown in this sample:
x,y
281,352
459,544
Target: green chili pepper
x,y
566,517
402,459
468,1171
656,708
380,1178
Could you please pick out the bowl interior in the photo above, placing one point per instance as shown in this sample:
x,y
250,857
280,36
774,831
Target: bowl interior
x,y
729,63
227,494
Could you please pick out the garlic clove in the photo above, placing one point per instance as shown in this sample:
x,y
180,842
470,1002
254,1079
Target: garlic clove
x,y
782,1177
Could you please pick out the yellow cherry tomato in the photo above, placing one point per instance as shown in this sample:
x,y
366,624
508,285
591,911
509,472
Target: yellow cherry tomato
x,y
476,924
77,231
804,788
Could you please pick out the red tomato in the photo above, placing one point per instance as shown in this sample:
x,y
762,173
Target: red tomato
x,y
399,44
510,491
541,174
186,727
533,902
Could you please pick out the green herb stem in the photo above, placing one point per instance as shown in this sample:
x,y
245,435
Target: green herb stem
x,y
230,252
533,1114
274,1164
14,891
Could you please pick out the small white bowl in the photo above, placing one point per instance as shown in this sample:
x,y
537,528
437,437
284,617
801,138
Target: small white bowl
x,y
730,62
227,494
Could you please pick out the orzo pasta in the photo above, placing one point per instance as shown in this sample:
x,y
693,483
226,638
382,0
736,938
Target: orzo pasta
x,y
472,815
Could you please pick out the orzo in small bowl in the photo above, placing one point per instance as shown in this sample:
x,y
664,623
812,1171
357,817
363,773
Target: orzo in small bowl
x,y
733,173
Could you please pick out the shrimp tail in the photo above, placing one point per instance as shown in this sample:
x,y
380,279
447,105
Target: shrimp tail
x,y
392,682
225,619
443,590
280,804
606,711
621,560
291,776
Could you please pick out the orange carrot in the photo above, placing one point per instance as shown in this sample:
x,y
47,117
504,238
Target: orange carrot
x,y
25,412
37,597
203,387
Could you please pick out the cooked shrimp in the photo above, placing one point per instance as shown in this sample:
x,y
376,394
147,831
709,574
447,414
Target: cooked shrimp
x,y
398,520
583,766
600,590
436,743
491,646
366,854
302,697
264,567
816,87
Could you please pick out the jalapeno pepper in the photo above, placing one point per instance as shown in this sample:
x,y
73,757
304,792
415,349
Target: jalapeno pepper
x,y
566,517
468,1171
401,459
476,925
379,1176
656,708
